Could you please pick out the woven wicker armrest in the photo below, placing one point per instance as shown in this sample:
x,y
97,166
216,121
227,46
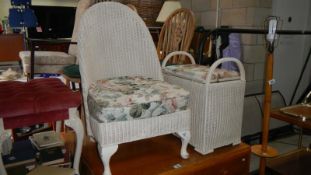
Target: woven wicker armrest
x,y
209,74
222,60
169,56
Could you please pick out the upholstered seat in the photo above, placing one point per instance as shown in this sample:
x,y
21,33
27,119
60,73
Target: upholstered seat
x,y
28,100
40,101
129,98
199,73
49,61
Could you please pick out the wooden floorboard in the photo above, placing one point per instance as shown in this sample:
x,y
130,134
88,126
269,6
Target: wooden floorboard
x,y
160,155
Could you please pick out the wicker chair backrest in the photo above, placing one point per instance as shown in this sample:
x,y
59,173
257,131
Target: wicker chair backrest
x,y
114,41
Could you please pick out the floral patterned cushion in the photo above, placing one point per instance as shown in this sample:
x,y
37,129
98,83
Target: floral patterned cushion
x,y
128,98
199,73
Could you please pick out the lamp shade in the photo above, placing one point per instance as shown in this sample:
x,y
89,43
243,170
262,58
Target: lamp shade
x,y
168,8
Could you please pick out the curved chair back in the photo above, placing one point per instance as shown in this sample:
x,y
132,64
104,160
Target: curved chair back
x,y
81,8
114,41
176,34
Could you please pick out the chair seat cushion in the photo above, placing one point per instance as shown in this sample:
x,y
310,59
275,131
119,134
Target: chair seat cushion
x,y
199,73
48,57
128,98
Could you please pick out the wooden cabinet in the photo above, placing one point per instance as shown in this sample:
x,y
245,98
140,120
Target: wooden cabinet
x,y
10,46
61,47
160,156
232,162
296,161
224,161
292,163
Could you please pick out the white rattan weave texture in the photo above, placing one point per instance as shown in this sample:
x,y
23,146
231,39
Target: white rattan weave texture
x,y
217,109
114,41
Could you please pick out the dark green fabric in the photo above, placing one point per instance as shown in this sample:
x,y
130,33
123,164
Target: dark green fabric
x,y
72,71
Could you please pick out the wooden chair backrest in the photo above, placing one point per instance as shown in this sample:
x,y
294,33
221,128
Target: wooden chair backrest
x,y
131,6
176,34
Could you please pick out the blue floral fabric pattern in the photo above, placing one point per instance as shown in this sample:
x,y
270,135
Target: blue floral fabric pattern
x,y
127,98
199,73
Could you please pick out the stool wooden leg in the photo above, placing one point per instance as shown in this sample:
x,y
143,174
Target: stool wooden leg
x,y
2,137
73,85
300,138
75,123
58,126
67,82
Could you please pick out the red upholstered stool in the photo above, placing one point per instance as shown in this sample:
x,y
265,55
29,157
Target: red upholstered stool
x,y
40,101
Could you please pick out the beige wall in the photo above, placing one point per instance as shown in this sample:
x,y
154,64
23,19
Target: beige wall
x,y
4,7
252,14
5,4
239,14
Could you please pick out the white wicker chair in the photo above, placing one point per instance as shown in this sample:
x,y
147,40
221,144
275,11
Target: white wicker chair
x,y
113,42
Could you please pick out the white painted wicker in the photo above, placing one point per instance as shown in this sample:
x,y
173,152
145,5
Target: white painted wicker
x,y
217,108
114,41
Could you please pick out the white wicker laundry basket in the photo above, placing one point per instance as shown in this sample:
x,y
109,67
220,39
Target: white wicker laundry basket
x,y
217,108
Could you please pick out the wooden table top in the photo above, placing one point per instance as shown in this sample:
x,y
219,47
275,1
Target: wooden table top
x,y
295,120
297,161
